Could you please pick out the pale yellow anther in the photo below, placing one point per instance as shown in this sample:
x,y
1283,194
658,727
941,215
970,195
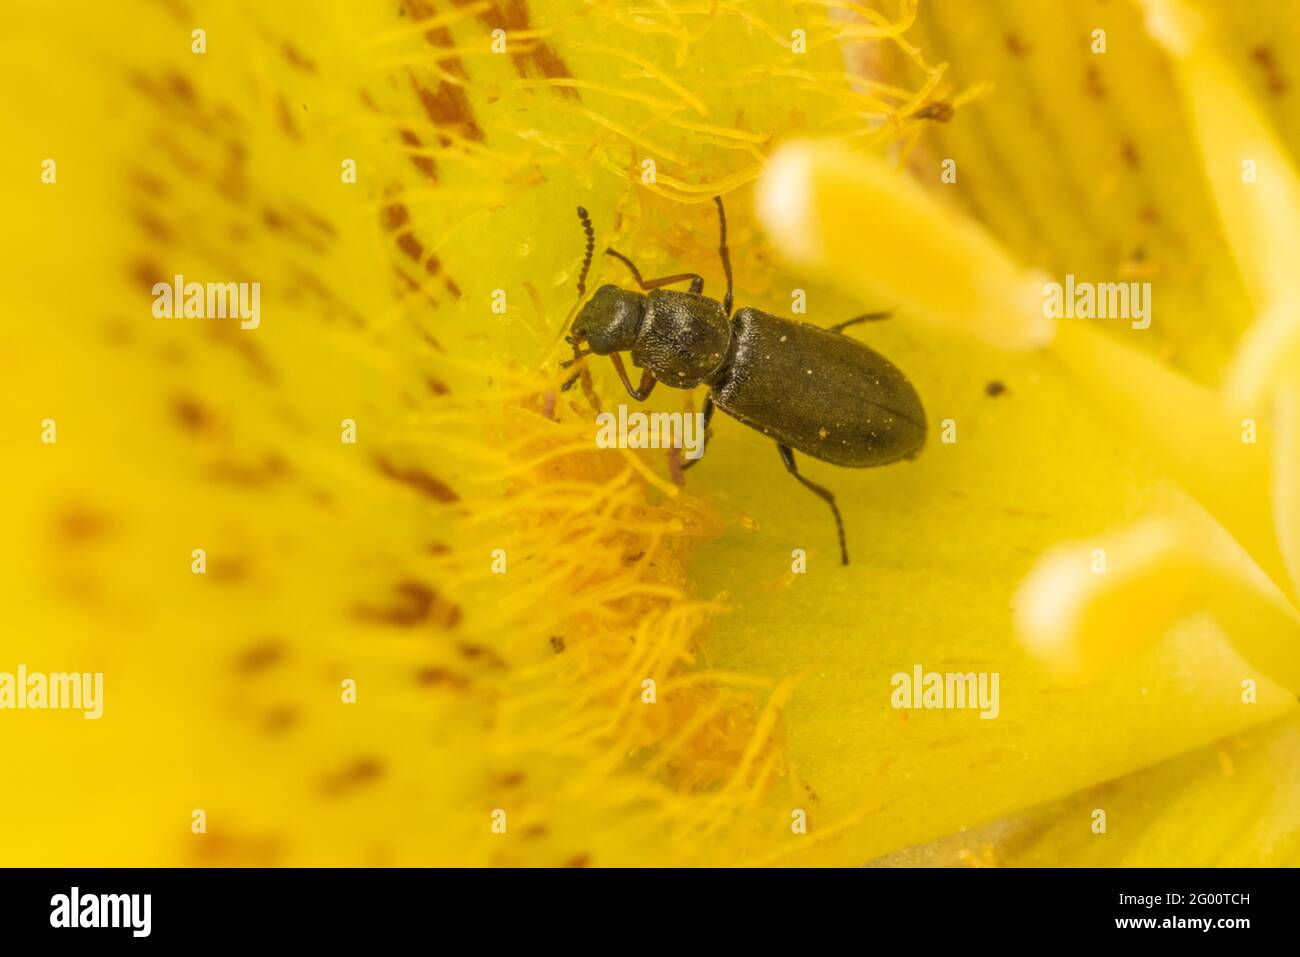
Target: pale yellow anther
x,y
1177,27
858,221
1087,607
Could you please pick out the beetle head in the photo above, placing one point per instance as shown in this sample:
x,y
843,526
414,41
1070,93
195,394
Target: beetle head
x,y
610,321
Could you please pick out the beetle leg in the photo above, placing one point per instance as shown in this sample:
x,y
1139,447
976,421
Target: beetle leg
x,y
704,443
568,383
869,317
697,282
787,456
726,256
581,374
577,357
647,379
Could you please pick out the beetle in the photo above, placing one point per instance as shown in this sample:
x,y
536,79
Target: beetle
x,y
810,389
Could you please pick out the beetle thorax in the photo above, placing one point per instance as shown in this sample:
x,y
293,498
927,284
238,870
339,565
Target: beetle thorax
x,y
684,338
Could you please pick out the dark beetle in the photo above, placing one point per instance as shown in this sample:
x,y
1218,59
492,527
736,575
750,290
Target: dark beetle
x,y
811,389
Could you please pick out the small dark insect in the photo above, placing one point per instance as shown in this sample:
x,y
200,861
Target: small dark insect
x,y
810,389
994,388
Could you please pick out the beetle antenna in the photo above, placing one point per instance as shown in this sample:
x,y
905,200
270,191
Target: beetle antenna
x,y
591,248
587,228
722,251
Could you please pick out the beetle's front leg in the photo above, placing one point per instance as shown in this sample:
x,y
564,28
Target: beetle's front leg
x,y
647,379
697,281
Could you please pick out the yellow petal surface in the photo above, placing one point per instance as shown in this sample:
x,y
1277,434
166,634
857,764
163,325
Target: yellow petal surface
x,y
1082,163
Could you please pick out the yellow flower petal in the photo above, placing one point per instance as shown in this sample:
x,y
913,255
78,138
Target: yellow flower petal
x,y
1077,165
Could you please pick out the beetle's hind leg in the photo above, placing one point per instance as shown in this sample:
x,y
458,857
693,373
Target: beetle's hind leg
x,y
868,317
787,456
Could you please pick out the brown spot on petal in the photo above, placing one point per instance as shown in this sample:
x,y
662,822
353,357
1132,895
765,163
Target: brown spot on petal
x,y
424,483
1016,46
297,58
153,225
484,654
80,524
247,349
360,772
1277,84
410,608
424,164
181,88
538,57
278,720
284,117
221,847
190,414
434,677
411,246
1092,84
266,654
449,108
414,603
146,273
436,36
394,216
148,183
228,570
